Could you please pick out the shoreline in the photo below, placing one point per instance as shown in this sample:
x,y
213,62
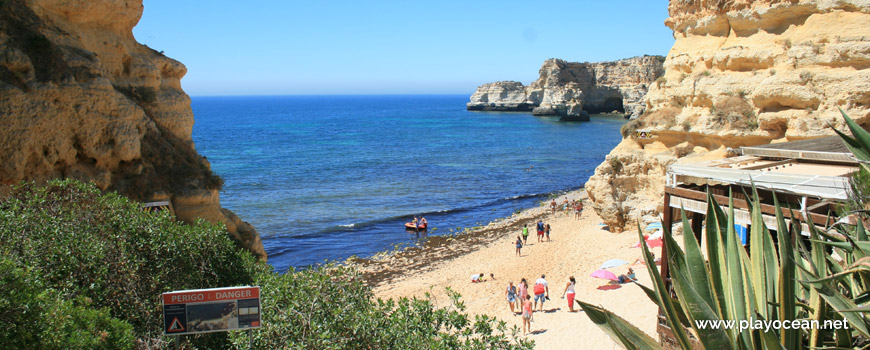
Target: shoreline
x,y
384,267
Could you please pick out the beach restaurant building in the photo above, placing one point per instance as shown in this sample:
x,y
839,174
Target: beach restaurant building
x,y
810,177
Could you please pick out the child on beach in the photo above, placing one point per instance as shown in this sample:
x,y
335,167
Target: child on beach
x,y
569,291
519,246
511,294
477,278
547,231
527,314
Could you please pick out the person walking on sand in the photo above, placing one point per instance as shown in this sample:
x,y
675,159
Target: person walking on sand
x,y
553,205
540,230
547,231
519,246
579,211
565,205
511,294
522,289
527,314
542,291
569,291
525,234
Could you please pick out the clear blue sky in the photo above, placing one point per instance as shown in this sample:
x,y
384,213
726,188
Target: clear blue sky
x,y
277,47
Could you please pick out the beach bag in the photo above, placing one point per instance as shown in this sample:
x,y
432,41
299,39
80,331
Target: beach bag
x,y
539,288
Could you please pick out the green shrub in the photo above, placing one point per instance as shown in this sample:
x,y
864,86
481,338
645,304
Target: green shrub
x,y
106,249
34,317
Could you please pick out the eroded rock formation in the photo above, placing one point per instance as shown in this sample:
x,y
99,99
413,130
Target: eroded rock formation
x,y
80,98
740,73
573,89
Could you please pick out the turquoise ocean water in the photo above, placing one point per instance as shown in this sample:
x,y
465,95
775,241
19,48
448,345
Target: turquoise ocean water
x,y
328,177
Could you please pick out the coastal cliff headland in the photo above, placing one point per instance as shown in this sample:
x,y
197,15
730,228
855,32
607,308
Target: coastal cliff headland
x,y
81,98
740,73
572,90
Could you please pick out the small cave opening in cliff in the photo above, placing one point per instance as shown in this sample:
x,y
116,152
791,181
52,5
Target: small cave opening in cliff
x,y
610,104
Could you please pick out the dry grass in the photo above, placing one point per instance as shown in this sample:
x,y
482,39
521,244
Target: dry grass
x,y
734,112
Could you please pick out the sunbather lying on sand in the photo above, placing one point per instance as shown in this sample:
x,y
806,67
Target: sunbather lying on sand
x,y
628,277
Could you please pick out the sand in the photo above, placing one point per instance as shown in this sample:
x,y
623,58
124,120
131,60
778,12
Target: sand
x,y
577,249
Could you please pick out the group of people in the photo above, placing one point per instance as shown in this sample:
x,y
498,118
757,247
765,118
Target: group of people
x,y
575,205
523,239
419,222
518,298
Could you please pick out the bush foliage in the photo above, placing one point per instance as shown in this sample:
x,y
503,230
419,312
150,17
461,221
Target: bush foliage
x,y
88,269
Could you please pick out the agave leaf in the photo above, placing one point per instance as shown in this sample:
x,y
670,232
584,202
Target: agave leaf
x,y
840,304
715,253
860,144
818,262
618,328
862,264
696,267
664,297
789,338
737,302
698,309
651,294
860,232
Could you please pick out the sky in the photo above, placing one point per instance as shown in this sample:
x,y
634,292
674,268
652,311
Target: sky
x,y
317,47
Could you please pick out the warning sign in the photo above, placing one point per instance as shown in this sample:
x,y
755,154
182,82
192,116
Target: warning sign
x,y
211,310
643,134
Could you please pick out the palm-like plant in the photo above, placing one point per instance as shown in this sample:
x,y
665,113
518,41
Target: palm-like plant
x,y
826,278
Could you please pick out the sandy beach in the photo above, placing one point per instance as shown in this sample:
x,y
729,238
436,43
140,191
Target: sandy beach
x,y
577,249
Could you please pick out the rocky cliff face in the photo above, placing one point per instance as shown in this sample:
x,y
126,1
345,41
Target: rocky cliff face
x,y
740,73
80,98
573,88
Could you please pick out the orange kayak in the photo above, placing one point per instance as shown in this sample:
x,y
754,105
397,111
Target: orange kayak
x,y
411,225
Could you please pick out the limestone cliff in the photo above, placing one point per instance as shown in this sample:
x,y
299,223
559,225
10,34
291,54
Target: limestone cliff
x,y
740,73
572,88
80,98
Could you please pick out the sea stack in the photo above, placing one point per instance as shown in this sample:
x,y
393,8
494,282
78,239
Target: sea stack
x,y
81,98
571,90
740,73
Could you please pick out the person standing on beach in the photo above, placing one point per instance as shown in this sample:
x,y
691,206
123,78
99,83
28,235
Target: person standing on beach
x,y
579,210
547,231
542,291
569,291
522,289
540,230
525,234
519,246
553,205
511,294
565,206
527,314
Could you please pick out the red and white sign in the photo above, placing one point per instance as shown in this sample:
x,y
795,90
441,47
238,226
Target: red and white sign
x,y
211,310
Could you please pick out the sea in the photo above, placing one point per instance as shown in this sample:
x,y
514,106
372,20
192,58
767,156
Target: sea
x,y
325,178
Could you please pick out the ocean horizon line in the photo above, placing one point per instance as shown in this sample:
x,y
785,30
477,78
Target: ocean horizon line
x,y
336,95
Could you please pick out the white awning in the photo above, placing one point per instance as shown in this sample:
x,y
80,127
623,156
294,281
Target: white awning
x,y
820,186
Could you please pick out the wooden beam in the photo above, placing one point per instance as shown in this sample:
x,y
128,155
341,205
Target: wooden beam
x,y
818,219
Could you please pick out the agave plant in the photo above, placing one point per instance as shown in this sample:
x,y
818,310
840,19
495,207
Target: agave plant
x,y
792,280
